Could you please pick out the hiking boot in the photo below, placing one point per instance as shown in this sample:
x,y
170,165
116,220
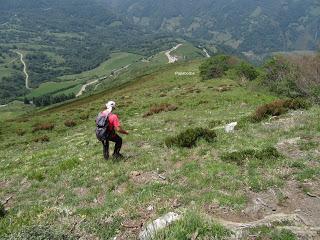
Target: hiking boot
x,y
117,156
106,156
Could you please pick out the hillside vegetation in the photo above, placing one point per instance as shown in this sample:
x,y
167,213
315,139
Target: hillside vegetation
x,y
54,181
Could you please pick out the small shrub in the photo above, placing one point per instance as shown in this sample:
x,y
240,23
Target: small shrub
x,y
20,132
42,139
190,137
84,116
2,210
241,157
160,108
70,123
277,108
39,232
43,127
36,175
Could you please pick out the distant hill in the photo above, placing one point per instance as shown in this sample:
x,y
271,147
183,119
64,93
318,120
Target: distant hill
x,y
245,25
60,37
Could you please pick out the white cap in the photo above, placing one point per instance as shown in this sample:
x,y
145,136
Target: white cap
x,y
111,104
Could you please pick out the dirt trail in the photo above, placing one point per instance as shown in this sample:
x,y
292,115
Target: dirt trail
x,y
24,70
115,72
83,88
172,59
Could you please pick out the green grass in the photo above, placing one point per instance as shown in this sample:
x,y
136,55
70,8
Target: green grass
x,y
13,110
55,87
187,51
193,224
62,181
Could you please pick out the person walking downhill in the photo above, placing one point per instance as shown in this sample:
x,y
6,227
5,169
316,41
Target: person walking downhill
x,y
108,125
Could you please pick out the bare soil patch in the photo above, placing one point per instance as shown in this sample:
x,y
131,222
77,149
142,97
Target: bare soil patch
x,y
141,178
290,208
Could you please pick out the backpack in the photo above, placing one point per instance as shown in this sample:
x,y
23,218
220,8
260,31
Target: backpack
x,y
102,128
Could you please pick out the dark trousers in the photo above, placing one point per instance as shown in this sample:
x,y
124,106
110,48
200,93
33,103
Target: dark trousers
x,y
118,144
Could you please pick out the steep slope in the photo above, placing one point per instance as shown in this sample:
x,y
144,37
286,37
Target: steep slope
x,y
246,25
55,175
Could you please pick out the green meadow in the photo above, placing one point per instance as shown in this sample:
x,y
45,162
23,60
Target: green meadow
x,y
56,176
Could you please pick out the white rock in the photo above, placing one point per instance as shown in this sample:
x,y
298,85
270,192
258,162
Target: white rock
x,y
150,208
230,127
150,230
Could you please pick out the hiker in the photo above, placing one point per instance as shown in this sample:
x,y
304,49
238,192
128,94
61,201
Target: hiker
x,y
108,125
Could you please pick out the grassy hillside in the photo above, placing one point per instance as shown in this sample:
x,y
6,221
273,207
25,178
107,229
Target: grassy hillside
x,y
58,177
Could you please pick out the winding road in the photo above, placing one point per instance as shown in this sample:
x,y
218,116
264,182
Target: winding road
x,y
115,72
24,70
172,59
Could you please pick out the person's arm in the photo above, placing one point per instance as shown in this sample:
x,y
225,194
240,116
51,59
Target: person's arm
x,y
121,130
117,125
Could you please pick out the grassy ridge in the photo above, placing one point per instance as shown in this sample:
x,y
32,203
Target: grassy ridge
x,y
66,181
116,61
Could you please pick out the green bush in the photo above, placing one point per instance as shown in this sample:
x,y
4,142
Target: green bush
x,y
2,210
216,66
246,70
39,233
241,157
281,77
189,137
293,76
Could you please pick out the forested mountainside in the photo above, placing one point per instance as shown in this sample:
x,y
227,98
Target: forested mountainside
x,y
60,37
245,25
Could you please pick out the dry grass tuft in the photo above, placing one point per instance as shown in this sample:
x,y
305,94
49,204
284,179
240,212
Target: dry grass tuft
x,y
42,139
160,108
43,127
277,108
70,123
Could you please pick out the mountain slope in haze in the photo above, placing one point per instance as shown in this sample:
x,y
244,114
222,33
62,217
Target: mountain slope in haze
x,y
60,37
245,25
